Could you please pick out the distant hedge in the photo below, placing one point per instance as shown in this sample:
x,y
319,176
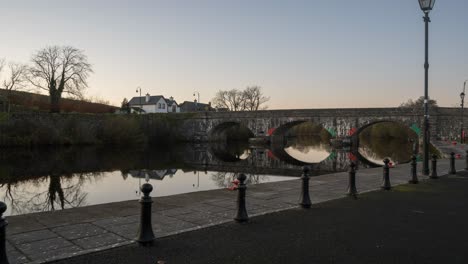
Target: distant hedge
x,y
35,129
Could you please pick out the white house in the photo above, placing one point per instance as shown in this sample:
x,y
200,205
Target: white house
x,y
154,104
172,105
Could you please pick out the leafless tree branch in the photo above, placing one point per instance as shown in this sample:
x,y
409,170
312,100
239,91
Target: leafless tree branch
x,y
250,99
60,70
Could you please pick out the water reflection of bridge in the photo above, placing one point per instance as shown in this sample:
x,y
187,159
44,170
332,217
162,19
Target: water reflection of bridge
x,y
273,161
25,165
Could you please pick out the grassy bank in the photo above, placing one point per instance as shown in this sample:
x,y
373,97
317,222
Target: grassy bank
x,y
88,129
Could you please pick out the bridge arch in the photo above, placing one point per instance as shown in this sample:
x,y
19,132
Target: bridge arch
x,y
218,132
406,123
282,129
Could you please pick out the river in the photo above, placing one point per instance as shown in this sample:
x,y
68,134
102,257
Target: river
x,y
47,179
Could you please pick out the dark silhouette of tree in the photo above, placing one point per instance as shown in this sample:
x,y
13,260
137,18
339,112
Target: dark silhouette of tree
x,y
14,80
232,100
419,103
60,70
254,99
250,99
125,107
2,64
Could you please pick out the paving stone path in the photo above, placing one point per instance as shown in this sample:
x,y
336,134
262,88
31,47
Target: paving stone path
x,y
41,237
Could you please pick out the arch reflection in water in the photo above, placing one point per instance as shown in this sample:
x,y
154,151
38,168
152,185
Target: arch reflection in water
x,y
308,149
388,140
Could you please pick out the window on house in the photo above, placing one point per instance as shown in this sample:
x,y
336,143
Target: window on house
x,y
164,106
159,105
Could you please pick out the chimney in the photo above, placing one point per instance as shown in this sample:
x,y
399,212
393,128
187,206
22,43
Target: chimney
x,y
148,97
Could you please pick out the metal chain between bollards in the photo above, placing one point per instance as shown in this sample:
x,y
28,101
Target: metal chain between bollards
x,y
386,175
241,216
3,224
352,190
145,235
414,170
434,167
452,163
305,197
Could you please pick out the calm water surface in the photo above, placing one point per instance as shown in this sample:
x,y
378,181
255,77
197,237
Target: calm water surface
x,y
53,179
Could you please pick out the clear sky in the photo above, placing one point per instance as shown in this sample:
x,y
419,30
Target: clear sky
x,y
305,54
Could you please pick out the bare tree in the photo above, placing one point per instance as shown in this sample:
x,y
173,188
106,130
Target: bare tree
x,y
418,104
231,100
60,70
250,99
15,78
254,99
2,64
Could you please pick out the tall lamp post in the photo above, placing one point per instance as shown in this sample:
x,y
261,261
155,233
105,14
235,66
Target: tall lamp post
x,y
462,97
196,103
141,105
426,7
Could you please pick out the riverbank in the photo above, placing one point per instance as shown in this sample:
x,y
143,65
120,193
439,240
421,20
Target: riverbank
x,y
35,238
45,129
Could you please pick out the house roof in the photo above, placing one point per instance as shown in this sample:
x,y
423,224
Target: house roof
x,y
170,102
141,100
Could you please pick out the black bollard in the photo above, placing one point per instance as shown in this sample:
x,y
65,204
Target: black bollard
x,y
452,163
352,191
386,175
305,198
145,235
434,167
241,209
466,160
414,175
3,224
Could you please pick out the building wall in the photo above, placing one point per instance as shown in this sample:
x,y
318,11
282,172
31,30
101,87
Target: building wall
x,y
159,107
170,110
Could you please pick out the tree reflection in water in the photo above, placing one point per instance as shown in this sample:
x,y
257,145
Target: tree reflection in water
x,y
225,179
48,193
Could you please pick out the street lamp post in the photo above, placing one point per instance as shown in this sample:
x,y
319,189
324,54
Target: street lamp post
x,y
426,7
462,97
196,103
141,105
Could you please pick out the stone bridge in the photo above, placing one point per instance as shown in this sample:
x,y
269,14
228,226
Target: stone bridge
x,y
340,123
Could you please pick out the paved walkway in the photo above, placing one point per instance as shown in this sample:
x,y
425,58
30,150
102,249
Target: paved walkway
x,y
423,223
40,237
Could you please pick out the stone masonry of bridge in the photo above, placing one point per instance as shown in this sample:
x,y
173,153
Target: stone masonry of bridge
x,y
207,126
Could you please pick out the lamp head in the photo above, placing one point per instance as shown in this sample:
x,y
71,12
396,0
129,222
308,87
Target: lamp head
x,y
462,95
426,5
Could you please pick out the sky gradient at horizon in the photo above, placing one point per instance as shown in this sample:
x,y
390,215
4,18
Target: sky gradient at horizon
x,y
304,54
